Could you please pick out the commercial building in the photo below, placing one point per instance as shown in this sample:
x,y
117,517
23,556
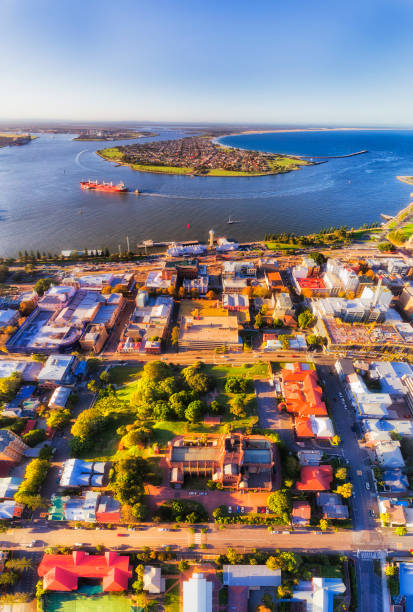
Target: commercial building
x,y
60,319
28,370
209,333
235,461
372,339
339,277
58,370
197,594
79,473
62,572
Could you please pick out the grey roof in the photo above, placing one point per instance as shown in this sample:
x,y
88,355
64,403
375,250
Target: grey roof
x,y
250,576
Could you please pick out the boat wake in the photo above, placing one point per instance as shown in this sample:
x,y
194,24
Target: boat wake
x,y
242,196
77,159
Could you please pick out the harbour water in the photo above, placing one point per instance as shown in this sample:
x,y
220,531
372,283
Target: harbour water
x,y
42,207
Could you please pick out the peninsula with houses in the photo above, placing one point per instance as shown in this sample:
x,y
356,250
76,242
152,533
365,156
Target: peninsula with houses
x,y
201,156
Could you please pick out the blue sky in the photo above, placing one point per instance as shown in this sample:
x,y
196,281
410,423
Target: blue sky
x,y
280,62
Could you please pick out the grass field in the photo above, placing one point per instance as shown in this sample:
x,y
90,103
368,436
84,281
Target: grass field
x,y
112,153
73,602
256,370
280,246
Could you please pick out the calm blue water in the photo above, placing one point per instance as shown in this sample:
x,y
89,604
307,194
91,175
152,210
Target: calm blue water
x,y
42,206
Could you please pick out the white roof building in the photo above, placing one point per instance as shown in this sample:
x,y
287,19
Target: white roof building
x,y
389,455
58,369
367,404
197,594
59,397
322,427
319,593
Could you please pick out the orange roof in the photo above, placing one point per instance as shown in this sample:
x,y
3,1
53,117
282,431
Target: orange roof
x,y
275,278
302,392
303,427
61,572
315,478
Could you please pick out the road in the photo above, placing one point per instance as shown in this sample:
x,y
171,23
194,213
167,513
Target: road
x,y
243,538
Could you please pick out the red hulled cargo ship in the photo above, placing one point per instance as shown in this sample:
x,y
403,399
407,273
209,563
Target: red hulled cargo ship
x,y
109,187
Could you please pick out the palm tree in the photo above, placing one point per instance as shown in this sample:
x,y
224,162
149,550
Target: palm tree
x,y
22,564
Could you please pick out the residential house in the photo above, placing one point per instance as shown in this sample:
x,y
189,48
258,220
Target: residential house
x,y
332,506
315,478
152,580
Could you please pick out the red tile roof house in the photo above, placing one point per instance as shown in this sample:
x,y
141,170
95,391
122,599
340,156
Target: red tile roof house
x,y
301,513
302,392
315,478
62,572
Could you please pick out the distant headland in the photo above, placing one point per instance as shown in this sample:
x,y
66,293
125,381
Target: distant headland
x,y
8,139
200,156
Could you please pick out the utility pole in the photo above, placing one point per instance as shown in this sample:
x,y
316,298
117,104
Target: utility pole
x,y
127,243
120,252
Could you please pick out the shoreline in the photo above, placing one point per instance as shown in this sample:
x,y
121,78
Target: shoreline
x,y
316,129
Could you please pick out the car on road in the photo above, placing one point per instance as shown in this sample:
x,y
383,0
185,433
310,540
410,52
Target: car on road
x,y
162,529
274,532
229,509
367,486
122,535
32,544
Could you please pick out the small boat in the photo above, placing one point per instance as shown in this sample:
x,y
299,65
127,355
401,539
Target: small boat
x,y
231,221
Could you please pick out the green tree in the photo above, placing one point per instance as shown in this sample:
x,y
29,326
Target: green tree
x,y
323,524
400,530
20,564
272,563
306,319
175,336
42,285
390,570
341,473
238,406
58,418
9,386
346,490
336,440
195,411
279,504
183,565
258,323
